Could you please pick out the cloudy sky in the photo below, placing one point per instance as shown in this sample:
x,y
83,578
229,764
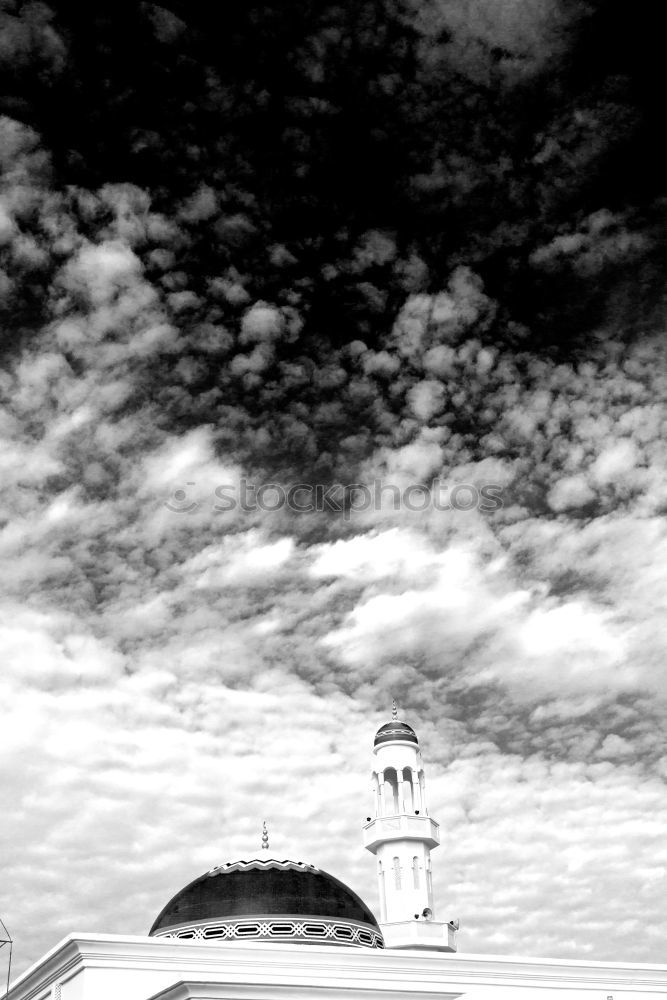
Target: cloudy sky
x,y
396,244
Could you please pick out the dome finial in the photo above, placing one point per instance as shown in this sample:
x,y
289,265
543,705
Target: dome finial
x,y
394,710
265,837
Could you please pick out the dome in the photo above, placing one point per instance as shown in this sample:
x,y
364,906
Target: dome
x,y
395,730
269,900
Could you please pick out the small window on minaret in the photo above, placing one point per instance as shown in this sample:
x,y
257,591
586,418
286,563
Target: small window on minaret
x,y
415,872
397,872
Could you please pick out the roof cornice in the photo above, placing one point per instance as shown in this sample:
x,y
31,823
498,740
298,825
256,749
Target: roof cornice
x,y
269,963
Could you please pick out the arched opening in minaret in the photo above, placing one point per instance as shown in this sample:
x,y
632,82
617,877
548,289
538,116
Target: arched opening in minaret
x,y
377,794
397,873
408,792
422,793
391,791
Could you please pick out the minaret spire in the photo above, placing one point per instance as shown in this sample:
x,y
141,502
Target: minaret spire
x,y
402,836
265,837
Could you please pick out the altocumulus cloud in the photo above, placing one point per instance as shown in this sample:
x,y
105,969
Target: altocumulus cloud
x,y
367,242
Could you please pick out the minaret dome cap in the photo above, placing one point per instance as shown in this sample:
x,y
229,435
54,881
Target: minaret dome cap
x,y
395,731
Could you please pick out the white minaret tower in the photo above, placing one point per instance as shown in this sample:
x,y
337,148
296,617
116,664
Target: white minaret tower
x,y
401,836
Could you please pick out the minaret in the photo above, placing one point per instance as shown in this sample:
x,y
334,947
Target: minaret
x,y
401,836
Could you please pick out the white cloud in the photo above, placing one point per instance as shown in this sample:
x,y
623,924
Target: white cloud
x,y
397,553
261,322
51,649
455,605
102,271
239,558
417,462
426,399
616,464
571,647
570,492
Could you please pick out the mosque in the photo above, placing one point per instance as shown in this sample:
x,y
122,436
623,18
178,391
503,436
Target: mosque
x,y
267,929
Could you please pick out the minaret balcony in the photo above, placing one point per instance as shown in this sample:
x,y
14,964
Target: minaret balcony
x,y
430,935
402,826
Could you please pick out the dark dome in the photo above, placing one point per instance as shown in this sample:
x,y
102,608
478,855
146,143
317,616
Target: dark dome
x,y
395,730
269,899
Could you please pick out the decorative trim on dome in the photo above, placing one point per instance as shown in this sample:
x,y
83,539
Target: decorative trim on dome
x,y
263,864
306,930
